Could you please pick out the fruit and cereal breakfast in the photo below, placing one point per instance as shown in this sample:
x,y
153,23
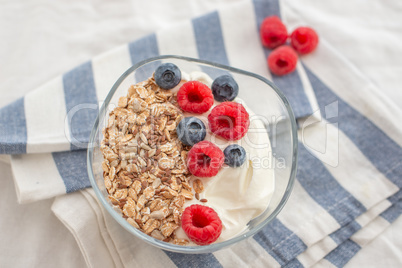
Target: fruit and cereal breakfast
x,y
179,158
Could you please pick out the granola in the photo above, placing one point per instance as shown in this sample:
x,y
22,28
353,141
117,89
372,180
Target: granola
x,y
144,162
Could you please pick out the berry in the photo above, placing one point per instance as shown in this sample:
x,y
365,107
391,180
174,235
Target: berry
x,y
195,97
304,40
191,130
235,155
225,88
273,32
282,60
229,120
201,224
167,76
205,159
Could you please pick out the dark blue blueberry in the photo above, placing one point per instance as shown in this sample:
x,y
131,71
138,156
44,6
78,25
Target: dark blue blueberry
x,y
235,155
167,75
225,88
191,130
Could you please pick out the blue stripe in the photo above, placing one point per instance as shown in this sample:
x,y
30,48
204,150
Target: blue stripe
x,y
265,8
382,151
289,84
81,104
340,236
72,167
210,43
293,89
396,197
343,253
13,128
281,243
193,260
393,212
142,49
325,189
209,38
344,233
293,264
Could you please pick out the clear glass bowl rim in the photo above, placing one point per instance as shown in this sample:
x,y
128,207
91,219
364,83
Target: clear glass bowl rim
x,y
191,249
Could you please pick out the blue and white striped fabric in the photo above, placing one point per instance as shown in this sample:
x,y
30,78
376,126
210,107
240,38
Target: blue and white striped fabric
x,y
344,195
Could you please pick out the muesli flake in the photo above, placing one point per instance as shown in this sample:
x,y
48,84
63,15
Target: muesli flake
x,y
144,164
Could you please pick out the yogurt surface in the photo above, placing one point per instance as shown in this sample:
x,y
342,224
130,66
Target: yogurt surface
x,y
237,194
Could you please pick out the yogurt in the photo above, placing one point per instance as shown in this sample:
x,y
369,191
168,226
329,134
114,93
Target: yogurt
x,y
237,194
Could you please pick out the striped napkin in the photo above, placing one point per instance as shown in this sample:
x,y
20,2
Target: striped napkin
x,y
349,172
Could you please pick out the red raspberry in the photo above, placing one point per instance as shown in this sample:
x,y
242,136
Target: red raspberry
x,y
195,97
282,60
304,40
229,120
205,159
273,32
201,224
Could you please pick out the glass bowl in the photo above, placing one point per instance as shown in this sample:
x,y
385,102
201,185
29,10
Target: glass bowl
x,y
260,95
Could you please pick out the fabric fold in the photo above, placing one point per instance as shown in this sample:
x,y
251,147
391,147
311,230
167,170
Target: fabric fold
x,y
83,223
122,245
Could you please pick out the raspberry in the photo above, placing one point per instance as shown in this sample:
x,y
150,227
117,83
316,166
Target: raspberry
x,y
205,159
304,40
282,60
201,224
195,97
273,32
229,120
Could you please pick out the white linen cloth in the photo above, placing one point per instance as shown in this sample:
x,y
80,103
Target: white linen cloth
x,y
53,187
32,236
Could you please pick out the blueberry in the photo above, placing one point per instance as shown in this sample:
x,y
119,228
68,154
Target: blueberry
x,y
167,76
191,130
225,88
235,155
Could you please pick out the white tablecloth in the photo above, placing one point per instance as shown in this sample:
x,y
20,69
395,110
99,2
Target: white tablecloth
x,y
42,39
